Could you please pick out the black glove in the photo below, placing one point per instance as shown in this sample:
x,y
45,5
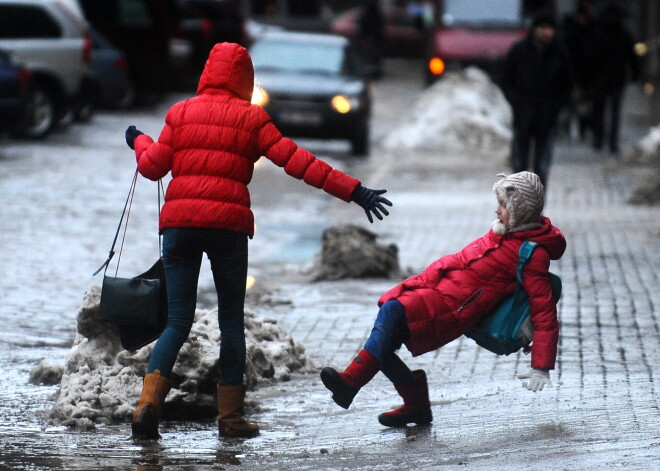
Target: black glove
x,y
371,201
131,133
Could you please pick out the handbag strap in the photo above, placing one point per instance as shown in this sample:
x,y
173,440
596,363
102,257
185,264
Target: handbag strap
x,y
126,212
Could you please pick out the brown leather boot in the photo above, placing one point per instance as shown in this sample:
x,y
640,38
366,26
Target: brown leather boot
x,y
147,414
230,408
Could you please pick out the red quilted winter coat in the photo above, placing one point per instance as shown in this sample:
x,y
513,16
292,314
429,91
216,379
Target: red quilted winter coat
x,y
454,292
211,142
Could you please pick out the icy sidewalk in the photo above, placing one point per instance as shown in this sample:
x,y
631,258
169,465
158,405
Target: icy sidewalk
x,y
603,410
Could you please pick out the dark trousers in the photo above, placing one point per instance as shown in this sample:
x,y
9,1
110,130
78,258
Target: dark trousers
x,y
389,332
542,139
607,102
182,256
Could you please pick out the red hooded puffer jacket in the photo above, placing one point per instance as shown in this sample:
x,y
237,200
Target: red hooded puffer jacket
x,y
454,292
211,142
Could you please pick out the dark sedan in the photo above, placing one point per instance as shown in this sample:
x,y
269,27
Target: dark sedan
x,y
312,85
15,88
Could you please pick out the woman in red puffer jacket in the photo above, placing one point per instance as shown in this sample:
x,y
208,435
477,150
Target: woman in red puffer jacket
x,y
210,144
453,294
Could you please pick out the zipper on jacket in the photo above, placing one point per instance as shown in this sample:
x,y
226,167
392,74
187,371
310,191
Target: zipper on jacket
x,y
472,299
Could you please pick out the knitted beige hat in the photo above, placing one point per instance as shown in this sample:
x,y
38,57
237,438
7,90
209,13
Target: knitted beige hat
x,y
523,196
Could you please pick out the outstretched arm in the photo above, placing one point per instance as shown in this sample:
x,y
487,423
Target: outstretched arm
x,y
302,164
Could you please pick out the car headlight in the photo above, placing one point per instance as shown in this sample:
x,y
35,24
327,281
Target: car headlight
x,y
343,104
259,96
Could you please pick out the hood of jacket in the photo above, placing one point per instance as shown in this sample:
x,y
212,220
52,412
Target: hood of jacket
x,y
228,69
547,236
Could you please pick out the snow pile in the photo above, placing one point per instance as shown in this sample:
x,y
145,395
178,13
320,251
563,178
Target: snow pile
x,y
647,150
46,373
352,252
463,112
101,383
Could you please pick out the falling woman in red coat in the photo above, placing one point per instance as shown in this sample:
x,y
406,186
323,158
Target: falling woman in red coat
x,y
452,294
210,144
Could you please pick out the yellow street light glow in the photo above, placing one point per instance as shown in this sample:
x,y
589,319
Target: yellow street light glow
x,y
641,49
341,104
250,281
259,96
437,66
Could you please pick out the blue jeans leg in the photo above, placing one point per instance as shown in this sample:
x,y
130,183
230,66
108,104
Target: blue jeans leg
x,y
182,259
389,332
229,263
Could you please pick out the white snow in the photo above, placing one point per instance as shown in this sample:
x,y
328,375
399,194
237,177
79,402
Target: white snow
x,y
647,150
463,112
102,382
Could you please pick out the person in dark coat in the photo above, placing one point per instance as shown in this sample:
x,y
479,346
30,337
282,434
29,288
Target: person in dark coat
x,y
537,82
576,36
614,64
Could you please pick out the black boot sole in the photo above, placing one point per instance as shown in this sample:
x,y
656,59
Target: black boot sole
x,y
420,418
342,393
145,427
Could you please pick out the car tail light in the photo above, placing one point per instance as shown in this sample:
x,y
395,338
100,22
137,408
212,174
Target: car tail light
x,y
87,49
121,63
206,27
24,77
436,66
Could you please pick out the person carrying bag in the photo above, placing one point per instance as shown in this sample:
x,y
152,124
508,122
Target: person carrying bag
x,y
210,144
137,306
456,292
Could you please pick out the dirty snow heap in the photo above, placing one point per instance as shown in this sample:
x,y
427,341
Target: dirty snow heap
x,y
101,382
464,112
350,251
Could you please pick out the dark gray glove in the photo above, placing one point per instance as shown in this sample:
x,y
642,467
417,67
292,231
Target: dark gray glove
x,y
131,133
371,201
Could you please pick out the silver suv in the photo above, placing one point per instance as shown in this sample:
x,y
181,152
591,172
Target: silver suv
x,y
51,40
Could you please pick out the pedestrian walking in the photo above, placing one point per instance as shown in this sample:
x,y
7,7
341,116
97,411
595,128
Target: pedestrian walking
x,y
614,64
210,143
372,34
577,33
537,83
453,294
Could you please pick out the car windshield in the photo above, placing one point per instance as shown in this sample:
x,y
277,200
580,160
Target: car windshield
x,y
297,57
472,12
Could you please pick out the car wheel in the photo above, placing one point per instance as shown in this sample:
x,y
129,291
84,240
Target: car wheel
x,y
39,117
360,141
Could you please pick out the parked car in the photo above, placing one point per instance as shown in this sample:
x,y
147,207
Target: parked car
x,y
466,33
51,40
142,30
404,29
312,85
15,88
110,67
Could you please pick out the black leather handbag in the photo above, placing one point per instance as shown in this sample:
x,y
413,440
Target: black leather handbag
x,y
137,305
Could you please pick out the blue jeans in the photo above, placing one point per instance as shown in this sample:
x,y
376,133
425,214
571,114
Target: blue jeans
x,y
389,332
182,256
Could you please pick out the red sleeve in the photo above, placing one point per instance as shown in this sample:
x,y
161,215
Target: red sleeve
x,y
302,164
154,159
536,282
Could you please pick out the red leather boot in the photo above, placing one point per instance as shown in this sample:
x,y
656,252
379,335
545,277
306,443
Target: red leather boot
x,y
345,386
416,406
